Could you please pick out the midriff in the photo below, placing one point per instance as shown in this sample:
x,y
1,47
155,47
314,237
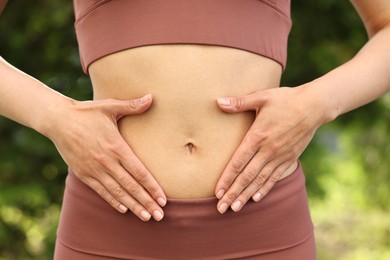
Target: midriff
x,y
184,139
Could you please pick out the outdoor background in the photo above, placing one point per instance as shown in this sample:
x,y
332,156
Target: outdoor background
x,y
347,165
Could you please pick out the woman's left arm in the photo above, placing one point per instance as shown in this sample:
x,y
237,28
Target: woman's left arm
x,y
2,5
287,118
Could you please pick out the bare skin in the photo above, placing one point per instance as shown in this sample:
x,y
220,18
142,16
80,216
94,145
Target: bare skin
x,y
184,139
287,118
184,146
87,137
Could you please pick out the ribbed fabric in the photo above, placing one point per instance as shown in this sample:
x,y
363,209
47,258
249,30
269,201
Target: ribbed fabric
x,y
191,228
107,26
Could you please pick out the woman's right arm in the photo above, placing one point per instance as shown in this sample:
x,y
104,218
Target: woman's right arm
x,y
87,137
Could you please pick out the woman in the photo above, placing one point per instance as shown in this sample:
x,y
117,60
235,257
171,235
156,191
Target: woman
x,y
175,147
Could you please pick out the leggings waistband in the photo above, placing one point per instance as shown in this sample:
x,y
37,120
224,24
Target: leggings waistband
x,y
191,228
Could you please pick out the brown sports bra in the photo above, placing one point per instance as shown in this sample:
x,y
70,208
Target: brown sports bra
x,y
107,26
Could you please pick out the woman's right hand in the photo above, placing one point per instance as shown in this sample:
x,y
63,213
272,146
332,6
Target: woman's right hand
x,y
88,139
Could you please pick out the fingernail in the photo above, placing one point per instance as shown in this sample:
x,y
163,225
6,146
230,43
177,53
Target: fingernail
x,y
122,208
146,98
220,193
223,208
256,197
224,102
145,215
162,202
236,206
157,215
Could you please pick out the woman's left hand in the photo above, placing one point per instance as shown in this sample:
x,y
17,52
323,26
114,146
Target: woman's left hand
x,y
286,121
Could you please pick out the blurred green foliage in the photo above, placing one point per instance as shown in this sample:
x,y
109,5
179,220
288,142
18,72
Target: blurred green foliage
x,y
347,164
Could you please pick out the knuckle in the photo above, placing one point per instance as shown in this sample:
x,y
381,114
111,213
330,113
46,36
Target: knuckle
x,y
133,188
139,174
237,166
245,179
268,151
231,196
117,192
273,178
274,147
114,147
122,178
259,180
149,205
251,173
259,137
102,160
239,102
132,104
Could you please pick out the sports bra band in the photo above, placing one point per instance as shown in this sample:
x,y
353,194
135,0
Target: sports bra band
x,y
104,27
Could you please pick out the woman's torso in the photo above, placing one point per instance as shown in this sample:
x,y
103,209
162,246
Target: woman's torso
x,y
184,139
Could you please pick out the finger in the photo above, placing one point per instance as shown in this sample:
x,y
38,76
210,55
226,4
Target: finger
x,y
120,108
119,194
246,178
130,197
124,186
251,142
252,101
271,181
243,154
106,195
266,173
138,171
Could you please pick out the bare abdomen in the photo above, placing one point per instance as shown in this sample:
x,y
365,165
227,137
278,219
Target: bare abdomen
x,y
184,139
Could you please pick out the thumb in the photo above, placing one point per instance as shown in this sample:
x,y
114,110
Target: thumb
x,y
131,107
241,103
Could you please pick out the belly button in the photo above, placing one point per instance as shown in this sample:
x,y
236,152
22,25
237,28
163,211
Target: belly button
x,y
190,147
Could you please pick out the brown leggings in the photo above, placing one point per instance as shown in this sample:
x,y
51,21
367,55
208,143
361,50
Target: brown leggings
x,y
277,227
304,251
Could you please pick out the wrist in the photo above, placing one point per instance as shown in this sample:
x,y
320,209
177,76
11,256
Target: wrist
x,y
319,103
48,121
